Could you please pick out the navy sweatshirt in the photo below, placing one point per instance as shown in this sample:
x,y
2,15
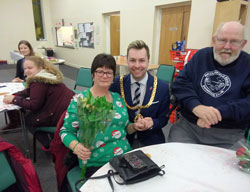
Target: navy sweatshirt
x,y
204,81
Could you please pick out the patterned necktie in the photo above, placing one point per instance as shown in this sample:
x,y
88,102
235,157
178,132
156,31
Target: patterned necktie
x,y
136,99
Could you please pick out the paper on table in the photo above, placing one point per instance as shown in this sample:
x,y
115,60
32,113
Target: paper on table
x,y
9,88
16,56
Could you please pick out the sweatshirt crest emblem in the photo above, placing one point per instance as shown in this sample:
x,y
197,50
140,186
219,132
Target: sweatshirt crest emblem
x,y
215,83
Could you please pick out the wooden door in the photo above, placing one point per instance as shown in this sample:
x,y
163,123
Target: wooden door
x,y
174,27
235,10
230,11
115,35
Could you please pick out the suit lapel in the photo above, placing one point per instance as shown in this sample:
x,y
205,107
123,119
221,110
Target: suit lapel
x,y
149,89
127,89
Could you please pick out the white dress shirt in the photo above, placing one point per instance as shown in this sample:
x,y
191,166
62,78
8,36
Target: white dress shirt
x,y
143,85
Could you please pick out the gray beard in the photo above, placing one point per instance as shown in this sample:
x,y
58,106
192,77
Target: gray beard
x,y
222,62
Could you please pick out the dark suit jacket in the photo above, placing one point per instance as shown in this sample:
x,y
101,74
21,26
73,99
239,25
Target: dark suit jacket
x,y
20,70
157,111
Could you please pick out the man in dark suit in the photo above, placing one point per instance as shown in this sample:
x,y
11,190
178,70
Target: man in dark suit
x,y
146,97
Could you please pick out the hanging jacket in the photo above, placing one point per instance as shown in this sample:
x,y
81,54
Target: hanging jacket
x,y
22,167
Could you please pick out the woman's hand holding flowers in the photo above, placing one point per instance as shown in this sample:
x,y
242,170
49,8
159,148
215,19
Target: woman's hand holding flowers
x,y
79,150
82,152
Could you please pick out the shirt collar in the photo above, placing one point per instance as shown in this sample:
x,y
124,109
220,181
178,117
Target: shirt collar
x,y
143,81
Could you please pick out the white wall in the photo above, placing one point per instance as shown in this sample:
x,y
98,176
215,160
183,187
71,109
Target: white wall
x,y
201,24
138,21
17,23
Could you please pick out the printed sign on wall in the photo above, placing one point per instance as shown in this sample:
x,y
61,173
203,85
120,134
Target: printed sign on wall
x,y
86,34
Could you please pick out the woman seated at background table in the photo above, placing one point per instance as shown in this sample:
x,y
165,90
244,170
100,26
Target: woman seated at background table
x,y
26,50
46,96
113,141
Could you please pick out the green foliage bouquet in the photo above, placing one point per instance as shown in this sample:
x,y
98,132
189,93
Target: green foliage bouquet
x,y
94,115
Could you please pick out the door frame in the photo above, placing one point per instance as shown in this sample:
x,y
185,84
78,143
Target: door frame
x,y
157,28
107,29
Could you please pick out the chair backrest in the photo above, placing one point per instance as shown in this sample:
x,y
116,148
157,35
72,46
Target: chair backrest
x,y
59,151
84,78
166,73
7,177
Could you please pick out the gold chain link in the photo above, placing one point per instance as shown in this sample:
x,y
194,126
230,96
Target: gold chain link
x,y
140,106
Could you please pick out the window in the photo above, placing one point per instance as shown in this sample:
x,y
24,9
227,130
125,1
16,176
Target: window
x,y
38,19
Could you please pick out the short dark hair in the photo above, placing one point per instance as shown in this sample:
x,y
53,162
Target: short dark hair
x,y
28,45
103,60
138,44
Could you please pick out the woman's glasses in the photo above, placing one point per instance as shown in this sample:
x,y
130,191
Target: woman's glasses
x,y
100,73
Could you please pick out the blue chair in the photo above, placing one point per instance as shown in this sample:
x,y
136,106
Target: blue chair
x,y
84,78
166,73
73,176
7,177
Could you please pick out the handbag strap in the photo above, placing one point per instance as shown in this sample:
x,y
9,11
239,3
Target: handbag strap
x,y
160,173
108,175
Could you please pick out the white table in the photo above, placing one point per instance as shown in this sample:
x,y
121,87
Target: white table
x,y
57,61
8,89
188,167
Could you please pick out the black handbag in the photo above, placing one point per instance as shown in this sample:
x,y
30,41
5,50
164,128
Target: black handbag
x,y
132,167
135,167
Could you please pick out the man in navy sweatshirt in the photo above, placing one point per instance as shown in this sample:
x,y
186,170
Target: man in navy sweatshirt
x,y
214,92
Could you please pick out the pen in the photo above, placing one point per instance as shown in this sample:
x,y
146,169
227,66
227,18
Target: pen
x,y
2,86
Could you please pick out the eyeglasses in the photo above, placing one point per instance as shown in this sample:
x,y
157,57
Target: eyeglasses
x,y
100,73
233,43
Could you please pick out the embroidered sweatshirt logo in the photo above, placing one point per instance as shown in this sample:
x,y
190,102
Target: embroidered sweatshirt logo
x,y
215,83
